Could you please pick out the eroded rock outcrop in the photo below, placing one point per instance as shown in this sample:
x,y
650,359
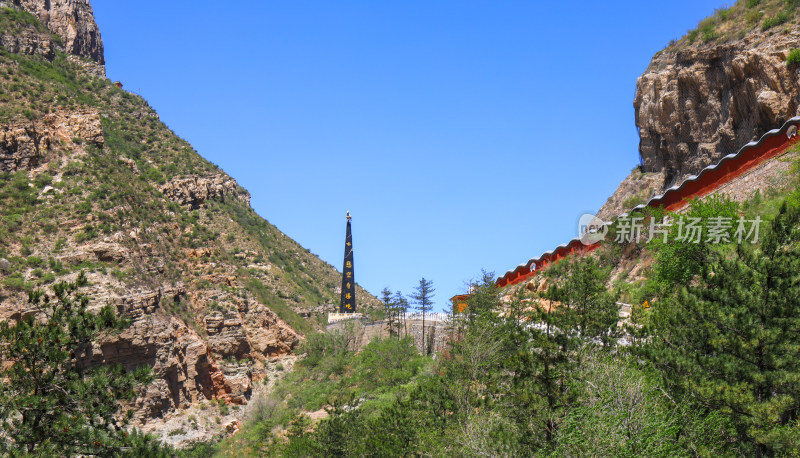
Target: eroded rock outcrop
x,y
72,20
24,144
698,103
636,189
190,368
30,41
194,190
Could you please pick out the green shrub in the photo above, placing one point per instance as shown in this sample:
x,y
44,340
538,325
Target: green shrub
x,y
723,13
15,283
753,3
632,202
223,407
59,245
776,20
707,29
84,208
680,261
752,17
20,181
794,58
43,180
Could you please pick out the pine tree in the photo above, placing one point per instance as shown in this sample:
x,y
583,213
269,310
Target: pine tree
x,y
580,285
51,402
401,306
545,337
423,297
391,312
542,371
732,341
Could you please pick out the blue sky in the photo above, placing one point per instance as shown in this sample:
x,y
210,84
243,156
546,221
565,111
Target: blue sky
x,y
461,135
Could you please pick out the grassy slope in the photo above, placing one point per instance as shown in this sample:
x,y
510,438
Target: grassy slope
x,y
735,21
100,196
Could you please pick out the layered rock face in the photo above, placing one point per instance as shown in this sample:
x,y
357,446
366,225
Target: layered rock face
x,y
192,191
29,42
183,361
72,20
24,144
699,103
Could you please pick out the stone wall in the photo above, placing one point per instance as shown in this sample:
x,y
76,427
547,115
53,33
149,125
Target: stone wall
x,y
366,331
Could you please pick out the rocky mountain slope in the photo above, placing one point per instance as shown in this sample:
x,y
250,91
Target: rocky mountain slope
x,y
719,87
72,23
91,180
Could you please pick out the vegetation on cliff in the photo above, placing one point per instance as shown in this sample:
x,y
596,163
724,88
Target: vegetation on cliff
x,y
51,402
14,21
331,373
113,187
91,180
735,21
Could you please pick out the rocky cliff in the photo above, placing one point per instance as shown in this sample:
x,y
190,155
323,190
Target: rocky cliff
x,y
699,103
71,20
711,92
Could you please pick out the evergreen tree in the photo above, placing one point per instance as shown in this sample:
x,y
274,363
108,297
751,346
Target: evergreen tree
x,y
580,285
423,298
542,372
401,306
545,338
483,298
51,403
732,341
391,312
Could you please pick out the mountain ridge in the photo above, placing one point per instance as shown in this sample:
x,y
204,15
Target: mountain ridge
x,y
93,181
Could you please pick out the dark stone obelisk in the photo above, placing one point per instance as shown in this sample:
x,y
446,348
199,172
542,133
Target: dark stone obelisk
x,y
348,301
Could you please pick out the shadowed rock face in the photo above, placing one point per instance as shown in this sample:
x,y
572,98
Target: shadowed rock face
x,y
73,20
697,104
